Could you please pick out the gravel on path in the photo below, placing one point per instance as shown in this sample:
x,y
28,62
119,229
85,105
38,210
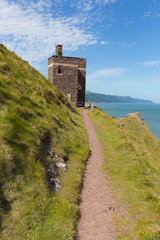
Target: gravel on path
x,y
97,206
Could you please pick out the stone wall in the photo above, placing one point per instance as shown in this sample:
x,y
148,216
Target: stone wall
x,y
69,75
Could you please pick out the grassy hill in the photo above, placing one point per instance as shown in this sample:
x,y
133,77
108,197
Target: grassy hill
x,y
41,134
132,161
104,98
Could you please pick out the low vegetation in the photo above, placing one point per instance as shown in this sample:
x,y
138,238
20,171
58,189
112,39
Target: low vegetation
x,y
39,129
132,161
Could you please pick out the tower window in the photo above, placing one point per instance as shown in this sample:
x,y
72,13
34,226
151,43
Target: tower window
x,y
59,70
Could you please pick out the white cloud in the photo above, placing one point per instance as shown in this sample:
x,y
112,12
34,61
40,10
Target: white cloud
x,y
104,73
131,44
151,14
31,32
33,28
105,42
128,21
103,2
147,14
152,63
88,5
122,44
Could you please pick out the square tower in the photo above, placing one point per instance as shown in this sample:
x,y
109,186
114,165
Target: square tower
x,y
69,75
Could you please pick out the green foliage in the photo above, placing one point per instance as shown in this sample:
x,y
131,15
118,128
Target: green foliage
x,y
131,153
33,110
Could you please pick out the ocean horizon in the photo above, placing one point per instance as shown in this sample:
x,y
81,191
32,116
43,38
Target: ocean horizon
x,y
149,112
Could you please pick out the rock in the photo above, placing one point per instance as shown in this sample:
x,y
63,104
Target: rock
x,y
57,185
54,167
52,170
62,167
54,184
136,115
111,208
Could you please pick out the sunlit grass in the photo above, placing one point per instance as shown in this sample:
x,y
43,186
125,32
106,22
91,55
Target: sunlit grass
x,y
132,160
31,108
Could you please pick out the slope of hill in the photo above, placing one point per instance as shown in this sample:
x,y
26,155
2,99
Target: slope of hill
x,y
103,98
131,154
41,135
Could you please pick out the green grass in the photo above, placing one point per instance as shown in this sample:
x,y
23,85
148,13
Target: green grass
x,y
34,113
132,161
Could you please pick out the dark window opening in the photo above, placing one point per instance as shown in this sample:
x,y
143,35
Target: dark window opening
x,y
59,70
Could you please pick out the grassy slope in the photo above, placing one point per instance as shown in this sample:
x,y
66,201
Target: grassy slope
x,y
132,160
31,110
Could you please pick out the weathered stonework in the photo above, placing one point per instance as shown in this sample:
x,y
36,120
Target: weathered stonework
x,y
69,75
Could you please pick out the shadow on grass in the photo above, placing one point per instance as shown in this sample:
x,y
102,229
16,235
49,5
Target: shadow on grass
x,y
5,206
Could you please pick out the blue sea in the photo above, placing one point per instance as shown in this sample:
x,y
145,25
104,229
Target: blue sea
x,y
149,112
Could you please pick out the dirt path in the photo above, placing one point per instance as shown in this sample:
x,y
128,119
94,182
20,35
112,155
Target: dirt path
x,y
97,206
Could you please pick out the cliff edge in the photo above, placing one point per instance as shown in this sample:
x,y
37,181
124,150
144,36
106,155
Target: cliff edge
x,y
132,162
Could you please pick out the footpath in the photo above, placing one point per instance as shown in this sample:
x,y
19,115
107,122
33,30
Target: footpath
x,y
97,206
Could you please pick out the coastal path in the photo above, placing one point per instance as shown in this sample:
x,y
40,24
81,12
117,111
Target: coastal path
x,y
98,204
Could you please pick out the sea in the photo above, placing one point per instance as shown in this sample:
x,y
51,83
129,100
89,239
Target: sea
x,y
149,112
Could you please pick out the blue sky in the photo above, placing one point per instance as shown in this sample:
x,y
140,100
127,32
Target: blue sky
x,y
119,38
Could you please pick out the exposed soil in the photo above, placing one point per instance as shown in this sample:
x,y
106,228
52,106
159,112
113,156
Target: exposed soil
x,y
98,199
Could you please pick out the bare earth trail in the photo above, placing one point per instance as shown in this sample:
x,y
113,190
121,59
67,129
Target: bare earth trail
x,y
97,206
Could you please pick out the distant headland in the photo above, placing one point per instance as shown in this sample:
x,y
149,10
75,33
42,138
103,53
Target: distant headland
x,y
104,98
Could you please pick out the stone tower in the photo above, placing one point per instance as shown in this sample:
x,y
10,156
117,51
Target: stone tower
x,y
69,75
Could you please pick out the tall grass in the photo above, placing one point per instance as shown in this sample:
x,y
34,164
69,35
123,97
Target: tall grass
x,y
33,111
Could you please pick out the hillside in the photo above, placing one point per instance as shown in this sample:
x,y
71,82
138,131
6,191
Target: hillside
x,y
43,148
131,160
103,98
43,152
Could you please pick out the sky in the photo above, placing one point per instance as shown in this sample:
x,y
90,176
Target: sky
x,y
119,38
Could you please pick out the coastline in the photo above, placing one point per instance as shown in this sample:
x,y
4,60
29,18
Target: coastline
x,y
150,113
